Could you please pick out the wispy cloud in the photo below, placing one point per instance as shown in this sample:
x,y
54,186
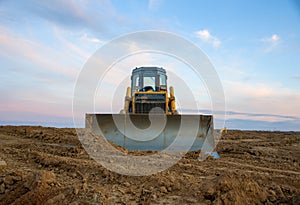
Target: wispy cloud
x,y
246,124
206,36
85,37
296,78
262,98
74,15
271,42
247,116
31,69
70,47
259,116
154,4
33,52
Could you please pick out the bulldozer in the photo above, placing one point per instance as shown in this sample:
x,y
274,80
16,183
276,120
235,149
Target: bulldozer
x,y
149,90
149,119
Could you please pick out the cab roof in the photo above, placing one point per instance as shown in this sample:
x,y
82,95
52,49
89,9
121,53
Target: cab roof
x,y
149,69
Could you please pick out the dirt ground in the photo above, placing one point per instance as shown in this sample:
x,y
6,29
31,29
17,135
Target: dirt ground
x,y
41,165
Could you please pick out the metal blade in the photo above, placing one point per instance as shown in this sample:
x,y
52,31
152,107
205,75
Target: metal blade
x,y
179,132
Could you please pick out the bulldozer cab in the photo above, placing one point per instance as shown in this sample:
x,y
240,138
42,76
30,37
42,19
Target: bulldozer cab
x,y
146,79
148,91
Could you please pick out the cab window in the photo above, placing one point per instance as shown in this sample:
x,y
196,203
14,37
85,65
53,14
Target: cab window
x,y
136,83
162,80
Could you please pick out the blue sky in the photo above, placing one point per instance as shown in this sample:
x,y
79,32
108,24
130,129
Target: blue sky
x,y
254,46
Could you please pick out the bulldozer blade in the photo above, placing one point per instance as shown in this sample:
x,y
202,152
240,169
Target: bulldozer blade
x,y
180,132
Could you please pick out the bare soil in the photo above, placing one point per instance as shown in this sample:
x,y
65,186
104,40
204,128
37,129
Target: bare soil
x,y
41,165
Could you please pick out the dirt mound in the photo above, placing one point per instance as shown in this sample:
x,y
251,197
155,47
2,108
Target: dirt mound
x,y
27,187
240,189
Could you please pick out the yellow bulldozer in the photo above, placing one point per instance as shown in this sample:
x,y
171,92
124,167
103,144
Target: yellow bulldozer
x,y
150,120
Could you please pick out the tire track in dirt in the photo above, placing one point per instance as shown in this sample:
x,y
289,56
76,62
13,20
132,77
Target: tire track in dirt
x,y
260,168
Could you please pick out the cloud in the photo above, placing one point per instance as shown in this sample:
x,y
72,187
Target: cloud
x,y
251,121
246,124
33,52
296,77
271,42
274,39
66,44
259,116
154,4
74,15
205,36
31,69
269,98
85,37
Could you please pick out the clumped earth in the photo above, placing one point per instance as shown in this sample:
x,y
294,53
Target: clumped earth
x,y
40,165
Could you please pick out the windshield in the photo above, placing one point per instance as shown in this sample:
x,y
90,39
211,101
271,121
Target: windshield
x,y
149,81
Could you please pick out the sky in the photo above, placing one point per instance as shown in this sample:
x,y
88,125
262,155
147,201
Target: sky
x,y
253,45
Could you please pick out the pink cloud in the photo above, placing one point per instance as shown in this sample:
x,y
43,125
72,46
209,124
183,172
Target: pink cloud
x,y
262,98
41,56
